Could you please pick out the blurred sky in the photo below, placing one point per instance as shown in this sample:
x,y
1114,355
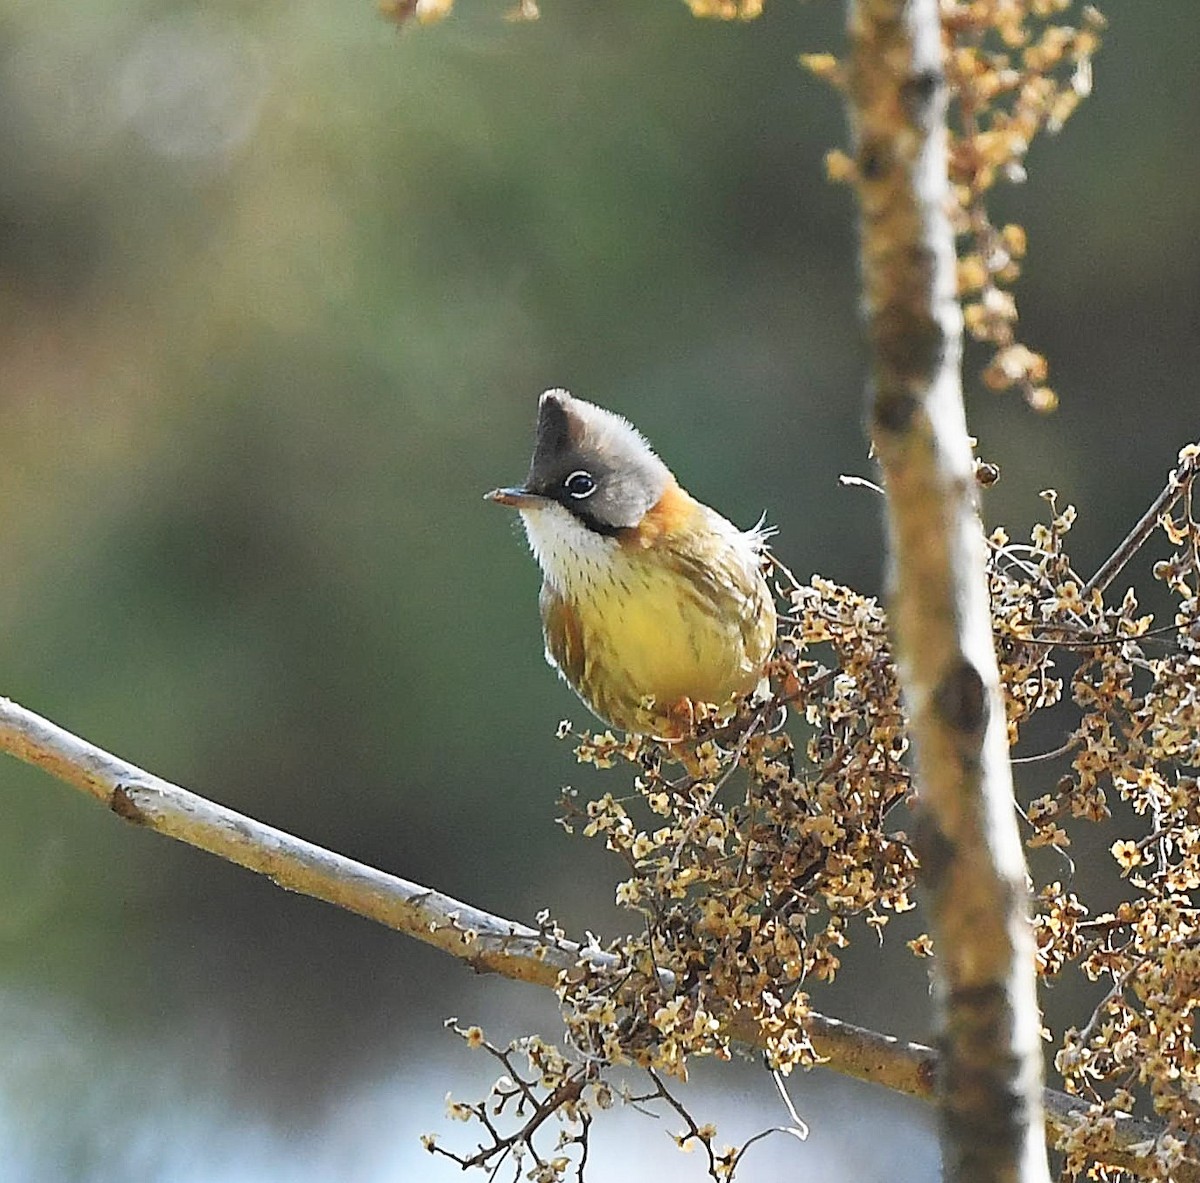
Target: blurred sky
x,y
279,287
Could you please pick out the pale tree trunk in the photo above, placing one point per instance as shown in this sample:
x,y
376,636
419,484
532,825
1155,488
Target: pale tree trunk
x,y
972,867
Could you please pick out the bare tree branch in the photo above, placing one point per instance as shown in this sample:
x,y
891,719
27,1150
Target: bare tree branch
x,y
485,941
971,858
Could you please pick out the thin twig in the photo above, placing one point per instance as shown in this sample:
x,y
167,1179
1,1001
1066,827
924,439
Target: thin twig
x,y
858,482
1179,480
799,1127
735,760
693,1130
1061,750
1118,988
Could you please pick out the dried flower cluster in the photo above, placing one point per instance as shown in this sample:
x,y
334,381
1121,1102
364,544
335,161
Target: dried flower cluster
x,y
1013,70
752,853
1137,741
746,893
747,899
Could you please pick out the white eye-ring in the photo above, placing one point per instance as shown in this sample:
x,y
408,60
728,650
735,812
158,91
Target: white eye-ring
x,y
580,484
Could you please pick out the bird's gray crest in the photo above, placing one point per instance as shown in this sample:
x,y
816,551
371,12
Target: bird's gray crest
x,y
576,436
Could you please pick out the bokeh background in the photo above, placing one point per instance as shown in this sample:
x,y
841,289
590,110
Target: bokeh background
x,y
279,286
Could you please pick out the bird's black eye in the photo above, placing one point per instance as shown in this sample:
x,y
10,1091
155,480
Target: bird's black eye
x,y
580,484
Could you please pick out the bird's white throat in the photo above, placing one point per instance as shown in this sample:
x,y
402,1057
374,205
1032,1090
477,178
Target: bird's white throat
x,y
573,558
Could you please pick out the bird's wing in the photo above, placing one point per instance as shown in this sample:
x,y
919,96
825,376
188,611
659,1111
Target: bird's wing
x,y
563,633
728,583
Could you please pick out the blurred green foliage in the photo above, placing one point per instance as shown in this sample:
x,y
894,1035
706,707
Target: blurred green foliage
x,y
279,286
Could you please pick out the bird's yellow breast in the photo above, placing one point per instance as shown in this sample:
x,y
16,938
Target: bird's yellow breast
x,y
673,613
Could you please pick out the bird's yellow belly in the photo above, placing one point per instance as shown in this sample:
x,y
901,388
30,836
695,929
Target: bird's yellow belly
x,y
650,633
660,641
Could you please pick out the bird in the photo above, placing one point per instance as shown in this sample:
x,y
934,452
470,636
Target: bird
x,y
651,602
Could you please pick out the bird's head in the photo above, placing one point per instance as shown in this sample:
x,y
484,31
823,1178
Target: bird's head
x,y
590,464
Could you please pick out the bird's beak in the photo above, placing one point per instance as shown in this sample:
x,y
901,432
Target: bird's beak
x,y
516,498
